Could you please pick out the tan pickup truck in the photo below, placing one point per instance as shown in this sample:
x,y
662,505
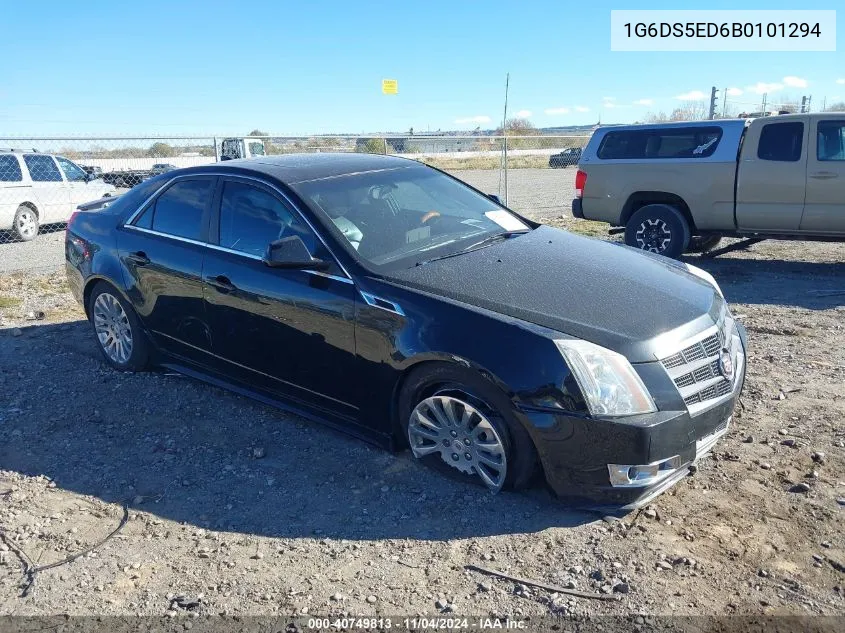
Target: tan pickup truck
x,y
681,187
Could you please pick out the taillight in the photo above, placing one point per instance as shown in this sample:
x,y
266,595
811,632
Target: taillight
x,y
580,181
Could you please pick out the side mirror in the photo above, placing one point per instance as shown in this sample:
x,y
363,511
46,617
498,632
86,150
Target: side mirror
x,y
291,252
495,198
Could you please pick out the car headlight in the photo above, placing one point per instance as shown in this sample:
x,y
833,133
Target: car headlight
x,y
703,274
609,384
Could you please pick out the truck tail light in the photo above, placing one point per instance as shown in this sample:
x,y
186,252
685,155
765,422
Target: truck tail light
x,y
580,181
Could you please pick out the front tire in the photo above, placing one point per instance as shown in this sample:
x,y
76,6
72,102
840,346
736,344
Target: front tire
x,y
25,223
119,334
463,426
658,228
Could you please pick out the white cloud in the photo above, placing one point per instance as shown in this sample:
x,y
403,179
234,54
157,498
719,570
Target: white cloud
x,y
733,92
523,114
608,98
762,88
556,110
795,82
473,119
692,95
644,102
840,81
582,109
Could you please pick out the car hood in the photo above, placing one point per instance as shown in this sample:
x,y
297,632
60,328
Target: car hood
x,y
631,302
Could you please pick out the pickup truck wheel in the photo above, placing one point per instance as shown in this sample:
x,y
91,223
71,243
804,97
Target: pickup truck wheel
x,y
658,228
703,243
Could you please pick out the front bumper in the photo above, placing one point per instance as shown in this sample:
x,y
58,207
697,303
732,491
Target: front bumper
x,y
585,460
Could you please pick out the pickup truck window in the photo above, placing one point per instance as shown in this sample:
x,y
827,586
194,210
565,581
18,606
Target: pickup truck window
x,y
781,142
674,142
831,141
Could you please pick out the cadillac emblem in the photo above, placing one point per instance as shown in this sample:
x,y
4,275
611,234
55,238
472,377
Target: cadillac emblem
x,y
726,364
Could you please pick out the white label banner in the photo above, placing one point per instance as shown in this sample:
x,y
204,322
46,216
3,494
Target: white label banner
x,y
723,30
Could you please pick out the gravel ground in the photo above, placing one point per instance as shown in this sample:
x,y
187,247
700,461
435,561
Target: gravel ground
x,y
236,508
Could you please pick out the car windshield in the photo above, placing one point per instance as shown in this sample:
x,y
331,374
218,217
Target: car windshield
x,y
401,217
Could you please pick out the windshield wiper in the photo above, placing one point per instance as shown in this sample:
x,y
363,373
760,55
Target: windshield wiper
x,y
490,239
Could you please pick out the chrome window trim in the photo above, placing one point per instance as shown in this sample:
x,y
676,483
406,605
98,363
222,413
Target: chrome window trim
x,y
215,247
291,203
373,300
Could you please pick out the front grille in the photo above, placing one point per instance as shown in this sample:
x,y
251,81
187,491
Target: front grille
x,y
695,369
713,391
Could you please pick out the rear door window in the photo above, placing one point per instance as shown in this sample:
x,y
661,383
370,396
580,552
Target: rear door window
x,y
781,141
42,168
680,142
10,169
181,210
831,141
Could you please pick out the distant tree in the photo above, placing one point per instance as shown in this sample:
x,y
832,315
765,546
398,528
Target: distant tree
x,y
839,106
369,146
517,127
269,147
161,150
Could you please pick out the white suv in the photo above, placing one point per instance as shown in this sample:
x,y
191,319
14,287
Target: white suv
x,y
37,189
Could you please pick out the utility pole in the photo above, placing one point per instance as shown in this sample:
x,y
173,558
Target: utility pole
x,y
713,93
803,104
505,140
763,109
724,102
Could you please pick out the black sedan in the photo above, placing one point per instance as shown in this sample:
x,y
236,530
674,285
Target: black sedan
x,y
566,158
391,300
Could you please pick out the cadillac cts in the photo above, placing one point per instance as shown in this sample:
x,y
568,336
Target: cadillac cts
x,y
391,300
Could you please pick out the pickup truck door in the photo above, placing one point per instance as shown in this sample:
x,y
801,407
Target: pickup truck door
x,y
824,205
772,175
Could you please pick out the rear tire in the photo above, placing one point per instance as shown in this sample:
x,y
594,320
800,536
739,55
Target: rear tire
x,y
658,228
117,328
25,223
703,243
466,390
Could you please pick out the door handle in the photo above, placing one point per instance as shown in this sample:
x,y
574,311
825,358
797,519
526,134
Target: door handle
x,y
824,175
221,283
139,257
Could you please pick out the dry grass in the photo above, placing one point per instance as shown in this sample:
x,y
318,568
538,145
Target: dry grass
x,y
9,302
486,162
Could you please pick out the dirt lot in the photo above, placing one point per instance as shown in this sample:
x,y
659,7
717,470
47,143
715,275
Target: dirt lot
x,y
245,510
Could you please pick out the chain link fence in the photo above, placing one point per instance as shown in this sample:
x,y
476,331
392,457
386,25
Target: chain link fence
x,y
42,180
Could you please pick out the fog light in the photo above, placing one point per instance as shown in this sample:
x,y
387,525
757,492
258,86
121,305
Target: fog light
x,y
622,475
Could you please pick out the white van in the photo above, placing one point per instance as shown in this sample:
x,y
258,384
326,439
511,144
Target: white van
x,y
38,189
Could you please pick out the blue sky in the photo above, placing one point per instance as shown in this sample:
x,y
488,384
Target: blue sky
x,y
291,67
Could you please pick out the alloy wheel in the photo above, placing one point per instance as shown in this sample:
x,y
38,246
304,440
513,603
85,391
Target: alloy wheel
x,y
113,328
653,235
26,224
463,437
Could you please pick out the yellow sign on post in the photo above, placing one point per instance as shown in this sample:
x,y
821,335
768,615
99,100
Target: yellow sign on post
x,y
390,86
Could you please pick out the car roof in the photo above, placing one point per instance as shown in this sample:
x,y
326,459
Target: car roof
x,y
295,168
